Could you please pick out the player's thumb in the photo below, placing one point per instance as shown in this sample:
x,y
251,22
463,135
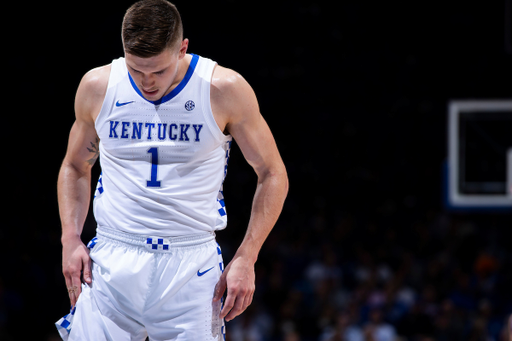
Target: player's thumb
x,y
220,288
87,270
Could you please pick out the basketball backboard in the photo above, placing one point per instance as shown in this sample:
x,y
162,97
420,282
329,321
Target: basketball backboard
x,y
479,154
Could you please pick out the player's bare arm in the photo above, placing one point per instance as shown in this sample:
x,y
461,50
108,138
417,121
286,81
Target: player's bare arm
x,y
236,111
75,177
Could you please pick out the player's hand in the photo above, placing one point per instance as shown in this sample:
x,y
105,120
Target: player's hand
x,y
239,278
75,261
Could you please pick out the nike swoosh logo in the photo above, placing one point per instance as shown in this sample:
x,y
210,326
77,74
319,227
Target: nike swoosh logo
x,y
121,104
199,273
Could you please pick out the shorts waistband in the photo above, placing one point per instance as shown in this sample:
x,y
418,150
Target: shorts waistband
x,y
155,243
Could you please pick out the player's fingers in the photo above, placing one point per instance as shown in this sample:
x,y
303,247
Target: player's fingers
x,y
228,304
248,300
69,286
73,285
76,288
73,291
237,309
220,288
87,270
72,297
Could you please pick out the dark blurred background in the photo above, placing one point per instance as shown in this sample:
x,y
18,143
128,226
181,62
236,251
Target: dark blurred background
x,y
356,95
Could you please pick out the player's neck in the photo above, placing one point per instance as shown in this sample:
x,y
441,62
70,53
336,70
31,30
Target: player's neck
x,y
183,65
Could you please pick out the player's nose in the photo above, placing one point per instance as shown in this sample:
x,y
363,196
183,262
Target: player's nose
x,y
147,81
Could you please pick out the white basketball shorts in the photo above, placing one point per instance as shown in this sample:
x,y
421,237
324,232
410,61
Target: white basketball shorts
x,y
148,286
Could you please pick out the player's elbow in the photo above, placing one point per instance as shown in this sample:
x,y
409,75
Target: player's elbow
x,y
278,176
285,182
73,169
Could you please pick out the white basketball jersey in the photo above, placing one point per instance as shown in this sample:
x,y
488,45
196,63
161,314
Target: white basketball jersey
x,y
163,163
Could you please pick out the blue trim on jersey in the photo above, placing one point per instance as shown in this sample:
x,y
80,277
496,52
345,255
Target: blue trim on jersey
x,y
176,90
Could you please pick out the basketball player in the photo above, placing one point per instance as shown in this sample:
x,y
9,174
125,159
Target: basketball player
x,y
161,121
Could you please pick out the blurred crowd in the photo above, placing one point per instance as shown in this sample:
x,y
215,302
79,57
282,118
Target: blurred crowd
x,y
444,277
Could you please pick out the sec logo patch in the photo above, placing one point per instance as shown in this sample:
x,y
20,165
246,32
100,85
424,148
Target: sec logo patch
x,y
190,105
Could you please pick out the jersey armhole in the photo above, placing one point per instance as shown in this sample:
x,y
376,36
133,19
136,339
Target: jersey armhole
x,y
116,75
208,112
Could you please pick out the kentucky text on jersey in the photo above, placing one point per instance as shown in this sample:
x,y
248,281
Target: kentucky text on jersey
x,y
165,131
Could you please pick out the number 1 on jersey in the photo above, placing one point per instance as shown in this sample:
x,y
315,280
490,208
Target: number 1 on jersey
x,y
154,168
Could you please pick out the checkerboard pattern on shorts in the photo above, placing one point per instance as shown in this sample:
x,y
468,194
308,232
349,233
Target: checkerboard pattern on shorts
x,y
64,324
156,243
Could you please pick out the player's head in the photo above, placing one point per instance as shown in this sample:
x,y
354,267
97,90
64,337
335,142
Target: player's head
x,y
153,42
150,27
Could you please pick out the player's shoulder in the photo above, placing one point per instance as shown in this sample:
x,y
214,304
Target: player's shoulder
x,y
229,86
95,81
225,79
232,98
91,92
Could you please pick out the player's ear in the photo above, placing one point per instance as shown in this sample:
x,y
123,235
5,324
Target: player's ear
x,y
183,48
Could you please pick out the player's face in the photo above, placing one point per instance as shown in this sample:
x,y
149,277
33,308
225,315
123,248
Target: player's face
x,y
155,76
